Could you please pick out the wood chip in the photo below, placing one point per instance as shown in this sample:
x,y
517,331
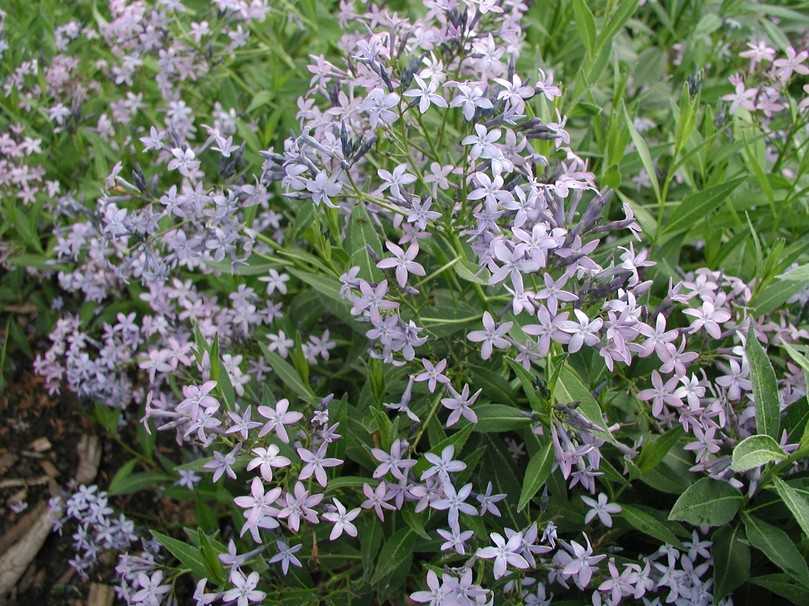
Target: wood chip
x,y
16,559
6,461
49,468
16,482
100,595
89,458
41,445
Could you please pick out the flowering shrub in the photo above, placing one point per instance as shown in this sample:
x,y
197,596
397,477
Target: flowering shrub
x,y
431,348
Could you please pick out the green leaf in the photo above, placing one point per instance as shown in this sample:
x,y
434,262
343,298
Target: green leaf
x,y
796,502
796,356
121,475
694,208
569,388
126,482
189,556
765,388
415,523
655,450
397,551
778,547
755,451
361,236
649,524
261,98
731,557
370,535
468,272
643,152
107,417
210,554
498,418
527,383
773,296
537,472
26,228
586,25
288,375
782,585
707,502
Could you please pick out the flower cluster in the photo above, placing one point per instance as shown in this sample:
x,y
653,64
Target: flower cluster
x,y
421,317
97,528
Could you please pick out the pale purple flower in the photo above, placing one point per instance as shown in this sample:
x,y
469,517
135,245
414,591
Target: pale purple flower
x,y
188,479
184,161
437,594
470,98
601,508
489,190
708,317
488,501
546,87
583,332
200,597
266,459
657,339
483,142
662,393
341,520
492,336
275,282
242,423
504,553
278,417
377,499
244,588
420,214
150,589
402,261
442,465
758,52
461,405
455,539
741,97
286,555
578,562
426,94
223,464
300,504
258,502
379,106
793,63
280,343
554,292
455,502
395,180
323,187
433,374
515,92
315,464
393,462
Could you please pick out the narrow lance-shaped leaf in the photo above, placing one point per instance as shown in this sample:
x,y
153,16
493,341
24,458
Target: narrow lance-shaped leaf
x,y
765,388
731,558
778,547
648,524
537,472
796,502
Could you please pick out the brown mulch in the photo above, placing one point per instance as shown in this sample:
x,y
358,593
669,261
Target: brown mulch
x,y
39,435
